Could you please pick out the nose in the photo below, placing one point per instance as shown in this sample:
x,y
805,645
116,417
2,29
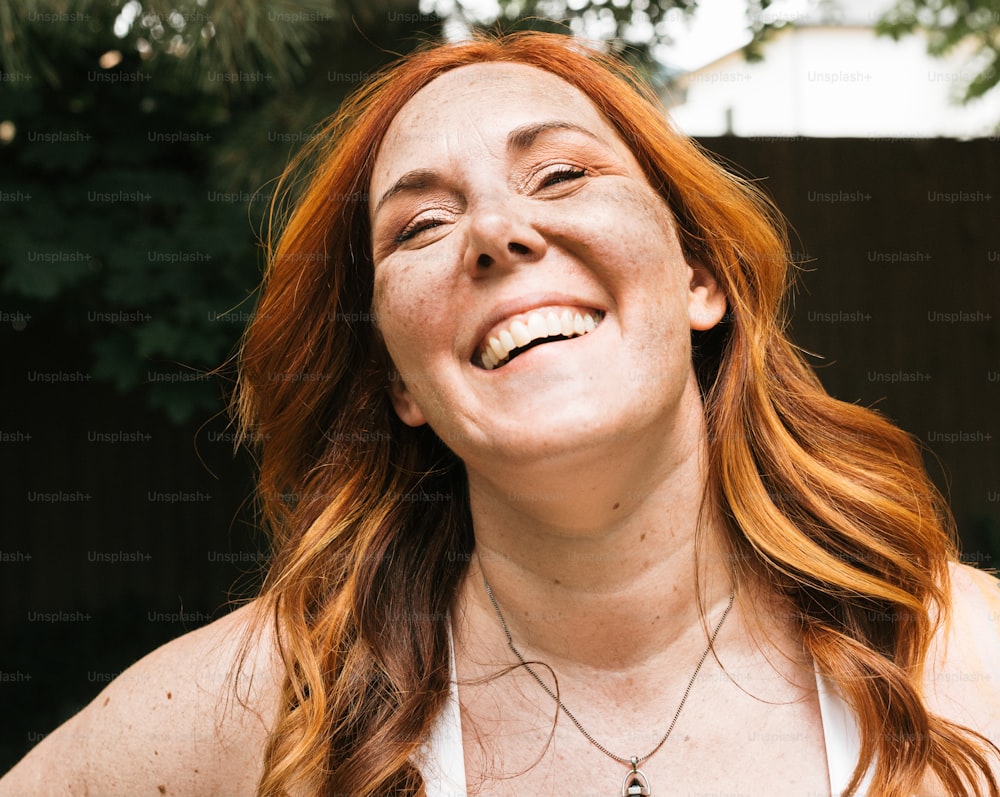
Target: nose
x,y
499,237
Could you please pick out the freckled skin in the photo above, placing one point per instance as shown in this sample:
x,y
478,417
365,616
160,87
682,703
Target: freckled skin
x,y
605,237
167,725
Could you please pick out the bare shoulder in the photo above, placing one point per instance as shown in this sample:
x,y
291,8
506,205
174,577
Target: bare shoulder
x,y
963,675
190,718
974,625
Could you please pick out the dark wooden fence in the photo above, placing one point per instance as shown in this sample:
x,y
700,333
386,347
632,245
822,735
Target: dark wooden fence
x,y
900,294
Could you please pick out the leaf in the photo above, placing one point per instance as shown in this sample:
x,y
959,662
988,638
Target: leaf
x,y
948,24
44,272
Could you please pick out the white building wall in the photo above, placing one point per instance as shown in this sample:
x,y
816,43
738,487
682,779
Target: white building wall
x,y
830,82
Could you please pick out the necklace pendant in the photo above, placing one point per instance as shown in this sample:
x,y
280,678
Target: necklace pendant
x,y
635,784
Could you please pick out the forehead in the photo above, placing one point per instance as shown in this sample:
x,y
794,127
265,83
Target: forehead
x,y
466,89
477,105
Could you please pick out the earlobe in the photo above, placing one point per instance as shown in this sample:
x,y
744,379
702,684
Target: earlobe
x,y
403,402
706,301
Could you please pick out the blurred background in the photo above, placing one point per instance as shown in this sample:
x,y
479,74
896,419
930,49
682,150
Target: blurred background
x,y
139,141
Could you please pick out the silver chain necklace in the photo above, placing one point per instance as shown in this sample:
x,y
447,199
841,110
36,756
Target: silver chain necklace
x,y
635,784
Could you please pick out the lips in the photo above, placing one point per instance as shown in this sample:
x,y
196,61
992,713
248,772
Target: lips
x,y
518,333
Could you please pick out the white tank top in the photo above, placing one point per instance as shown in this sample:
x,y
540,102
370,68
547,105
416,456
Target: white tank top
x,y
962,684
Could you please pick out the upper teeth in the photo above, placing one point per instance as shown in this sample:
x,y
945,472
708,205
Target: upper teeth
x,y
537,324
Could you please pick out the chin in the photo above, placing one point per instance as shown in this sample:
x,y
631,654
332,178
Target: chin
x,y
567,437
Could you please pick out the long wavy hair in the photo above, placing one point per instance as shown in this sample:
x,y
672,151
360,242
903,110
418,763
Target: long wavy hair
x,y
826,501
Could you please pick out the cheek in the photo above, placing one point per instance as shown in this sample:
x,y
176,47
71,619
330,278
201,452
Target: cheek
x,y
654,238
628,217
643,263
393,306
407,302
657,257
631,234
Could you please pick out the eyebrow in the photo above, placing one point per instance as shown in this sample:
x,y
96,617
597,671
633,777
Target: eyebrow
x,y
523,137
518,140
415,180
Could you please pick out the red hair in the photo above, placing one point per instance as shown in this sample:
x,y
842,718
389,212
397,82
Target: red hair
x,y
825,501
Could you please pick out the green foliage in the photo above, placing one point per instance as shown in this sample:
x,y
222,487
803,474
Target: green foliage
x,y
187,41
640,30
138,141
114,237
951,25
140,137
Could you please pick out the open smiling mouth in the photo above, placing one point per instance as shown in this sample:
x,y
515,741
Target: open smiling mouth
x,y
512,338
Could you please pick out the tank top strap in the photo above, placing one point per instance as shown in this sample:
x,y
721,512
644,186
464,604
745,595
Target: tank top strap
x,y
440,759
842,737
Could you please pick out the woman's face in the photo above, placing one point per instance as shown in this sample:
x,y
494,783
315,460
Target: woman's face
x,y
506,211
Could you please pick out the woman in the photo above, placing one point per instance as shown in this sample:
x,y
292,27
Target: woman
x,y
557,506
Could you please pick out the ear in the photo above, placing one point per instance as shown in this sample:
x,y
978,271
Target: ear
x,y
403,401
706,302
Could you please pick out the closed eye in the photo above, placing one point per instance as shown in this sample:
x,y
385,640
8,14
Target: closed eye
x,y
561,176
416,227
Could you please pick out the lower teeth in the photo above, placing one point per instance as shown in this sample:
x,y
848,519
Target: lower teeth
x,y
531,345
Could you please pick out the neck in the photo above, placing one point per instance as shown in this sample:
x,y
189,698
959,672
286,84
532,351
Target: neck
x,y
596,568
